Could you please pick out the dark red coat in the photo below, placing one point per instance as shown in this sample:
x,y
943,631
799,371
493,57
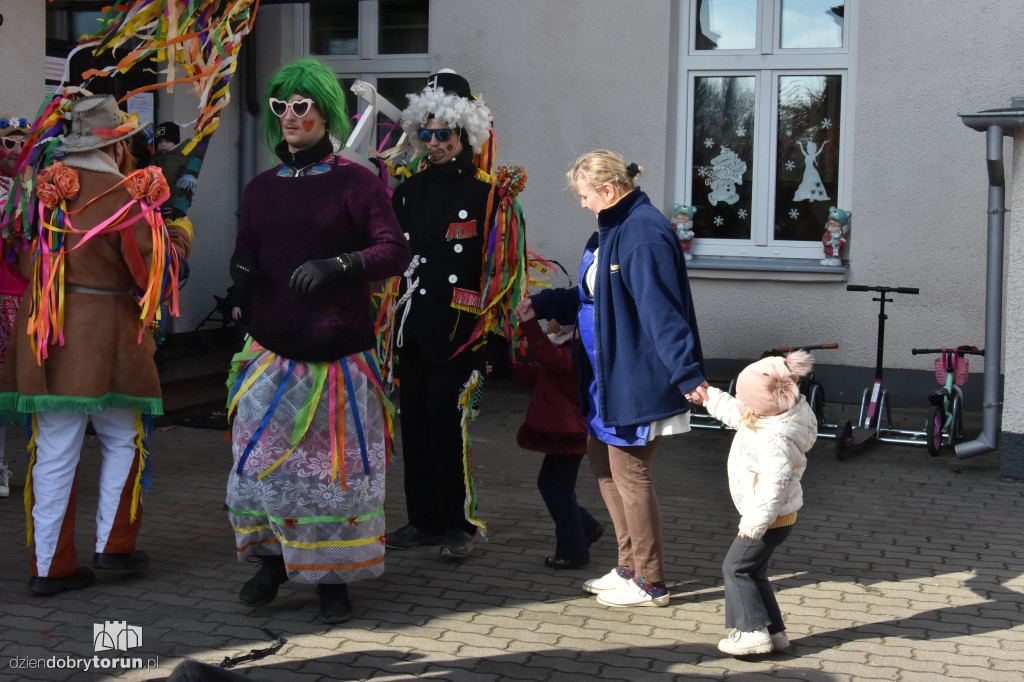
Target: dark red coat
x,y
553,423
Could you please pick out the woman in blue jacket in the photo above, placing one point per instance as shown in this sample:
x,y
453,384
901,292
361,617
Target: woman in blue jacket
x,y
642,364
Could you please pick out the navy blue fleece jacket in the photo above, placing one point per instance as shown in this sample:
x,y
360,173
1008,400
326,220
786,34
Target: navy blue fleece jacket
x,y
648,348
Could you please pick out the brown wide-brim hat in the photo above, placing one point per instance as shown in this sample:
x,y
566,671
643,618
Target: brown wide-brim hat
x,y
95,122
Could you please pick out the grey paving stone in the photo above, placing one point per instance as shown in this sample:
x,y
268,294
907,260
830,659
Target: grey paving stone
x,y
897,569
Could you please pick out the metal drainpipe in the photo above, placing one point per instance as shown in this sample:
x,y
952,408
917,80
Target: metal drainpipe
x,y
996,123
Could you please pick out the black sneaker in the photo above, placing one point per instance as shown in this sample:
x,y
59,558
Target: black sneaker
x,y
560,563
458,544
262,587
107,561
82,577
409,536
334,604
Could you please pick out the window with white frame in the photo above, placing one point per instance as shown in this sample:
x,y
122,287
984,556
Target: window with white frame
x,y
764,122
382,42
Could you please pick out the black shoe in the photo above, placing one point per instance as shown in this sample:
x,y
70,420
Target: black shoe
x,y
409,536
82,577
334,604
458,544
262,587
135,561
558,562
595,535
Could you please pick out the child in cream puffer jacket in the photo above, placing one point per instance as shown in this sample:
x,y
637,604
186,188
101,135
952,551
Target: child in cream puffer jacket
x,y
774,430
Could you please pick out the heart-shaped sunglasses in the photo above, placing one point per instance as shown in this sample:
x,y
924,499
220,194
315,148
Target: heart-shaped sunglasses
x,y
299,107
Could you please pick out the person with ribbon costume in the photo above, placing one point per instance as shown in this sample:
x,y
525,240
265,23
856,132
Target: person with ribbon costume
x,y
100,262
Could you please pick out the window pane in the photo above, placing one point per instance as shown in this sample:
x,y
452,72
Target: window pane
x,y
723,156
351,101
812,23
403,26
394,90
807,166
726,25
335,27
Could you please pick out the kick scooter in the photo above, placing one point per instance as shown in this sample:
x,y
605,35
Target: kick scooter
x,y
869,425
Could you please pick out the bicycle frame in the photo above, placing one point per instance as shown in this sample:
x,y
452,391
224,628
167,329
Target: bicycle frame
x,y
947,402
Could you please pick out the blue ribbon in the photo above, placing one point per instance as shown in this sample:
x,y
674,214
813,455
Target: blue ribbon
x,y
355,415
266,418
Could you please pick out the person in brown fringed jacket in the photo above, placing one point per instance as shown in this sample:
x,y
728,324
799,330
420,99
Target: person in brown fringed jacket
x,y
81,353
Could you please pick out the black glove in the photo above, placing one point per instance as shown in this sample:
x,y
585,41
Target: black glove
x,y
244,272
313,274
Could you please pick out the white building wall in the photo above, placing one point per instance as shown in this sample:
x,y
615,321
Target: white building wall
x,y
566,77
1013,337
919,174
22,76
563,78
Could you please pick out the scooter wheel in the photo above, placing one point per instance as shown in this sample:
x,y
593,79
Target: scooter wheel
x,y
933,430
844,438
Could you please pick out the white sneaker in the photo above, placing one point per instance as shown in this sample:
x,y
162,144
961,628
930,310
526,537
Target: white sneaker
x,y
631,594
780,641
5,479
610,581
746,643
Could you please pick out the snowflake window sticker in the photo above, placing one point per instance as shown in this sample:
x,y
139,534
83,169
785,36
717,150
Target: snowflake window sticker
x,y
826,123
703,171
709,143
794,214
790,165
742,213
741,131
719,221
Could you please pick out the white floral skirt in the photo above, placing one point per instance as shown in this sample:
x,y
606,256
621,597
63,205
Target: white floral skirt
x,y
311,442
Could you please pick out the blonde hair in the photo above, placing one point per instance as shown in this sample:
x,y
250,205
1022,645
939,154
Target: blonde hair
x,y
599,167
749,419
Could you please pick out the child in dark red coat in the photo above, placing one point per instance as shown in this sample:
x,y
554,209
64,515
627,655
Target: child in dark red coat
x,y
555,427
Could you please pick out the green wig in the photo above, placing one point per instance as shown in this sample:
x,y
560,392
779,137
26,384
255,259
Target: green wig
x,y
309,78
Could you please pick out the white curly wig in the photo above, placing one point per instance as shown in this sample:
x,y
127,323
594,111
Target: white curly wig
x,y
467,114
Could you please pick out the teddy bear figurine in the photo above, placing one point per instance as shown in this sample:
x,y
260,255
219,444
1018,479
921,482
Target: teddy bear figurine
x,y
836,228
683,221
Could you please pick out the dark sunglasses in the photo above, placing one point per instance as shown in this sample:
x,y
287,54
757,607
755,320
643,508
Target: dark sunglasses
x,y
442,134
12,142
299,107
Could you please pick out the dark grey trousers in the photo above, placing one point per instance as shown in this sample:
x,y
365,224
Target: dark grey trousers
x,y
749,599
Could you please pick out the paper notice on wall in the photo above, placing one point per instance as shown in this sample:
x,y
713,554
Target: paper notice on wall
x,y
142,105
55,68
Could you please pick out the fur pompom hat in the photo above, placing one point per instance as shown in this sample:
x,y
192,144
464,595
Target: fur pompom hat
x,y
769,386
447,97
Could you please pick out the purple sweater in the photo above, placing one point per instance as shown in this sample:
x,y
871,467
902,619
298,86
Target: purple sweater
x,y
287,221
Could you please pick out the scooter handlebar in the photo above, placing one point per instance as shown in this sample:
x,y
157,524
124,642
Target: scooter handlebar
x,y
961,351
884,290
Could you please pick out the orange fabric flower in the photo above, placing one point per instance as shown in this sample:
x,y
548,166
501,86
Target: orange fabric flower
x,y
137,183
158,189
66,181
46,175
147,184
48,194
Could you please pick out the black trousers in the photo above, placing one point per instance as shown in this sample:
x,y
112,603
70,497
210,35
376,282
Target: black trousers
x,y
431,420
749,598
573,524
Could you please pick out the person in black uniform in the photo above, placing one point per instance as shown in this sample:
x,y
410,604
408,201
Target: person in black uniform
x,y
444,211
